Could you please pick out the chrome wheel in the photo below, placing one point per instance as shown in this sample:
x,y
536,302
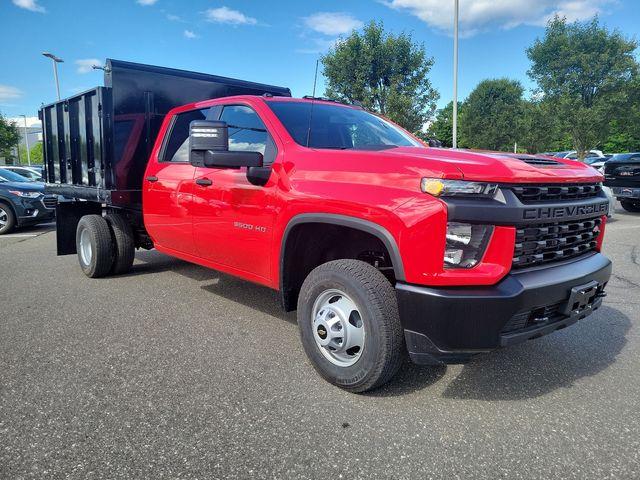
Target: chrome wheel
x,y
4,218
86,251
338,328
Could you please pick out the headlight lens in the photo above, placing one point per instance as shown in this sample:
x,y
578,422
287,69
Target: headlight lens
x,y
466,244
457,188
23,194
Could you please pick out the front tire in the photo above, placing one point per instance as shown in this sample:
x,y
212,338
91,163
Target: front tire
x,y
350,325
630,206
7,219
94,246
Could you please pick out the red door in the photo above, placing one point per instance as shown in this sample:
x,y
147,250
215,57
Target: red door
x,y
168,188
233,219
168,196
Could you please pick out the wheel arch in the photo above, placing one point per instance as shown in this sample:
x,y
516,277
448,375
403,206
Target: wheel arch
x,y
365,226
9,203
6,201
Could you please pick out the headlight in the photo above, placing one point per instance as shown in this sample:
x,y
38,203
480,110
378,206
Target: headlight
x,y
22,194
458,188
466,244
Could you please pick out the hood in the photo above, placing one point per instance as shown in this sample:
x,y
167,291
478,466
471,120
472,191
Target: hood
x,y
24,186
503,167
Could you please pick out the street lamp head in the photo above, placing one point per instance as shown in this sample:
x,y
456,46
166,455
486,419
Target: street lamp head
x,y
53,57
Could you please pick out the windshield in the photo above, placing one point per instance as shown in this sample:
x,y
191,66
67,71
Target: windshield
x,y
12,176
338,127
596,159
626,157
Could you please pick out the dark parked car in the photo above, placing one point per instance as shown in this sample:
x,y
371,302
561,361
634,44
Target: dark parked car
x,y
622,174
23,202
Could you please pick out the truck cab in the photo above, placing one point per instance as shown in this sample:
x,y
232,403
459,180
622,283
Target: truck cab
x,y
383,245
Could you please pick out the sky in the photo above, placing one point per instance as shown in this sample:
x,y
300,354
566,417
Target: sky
x,y
268,41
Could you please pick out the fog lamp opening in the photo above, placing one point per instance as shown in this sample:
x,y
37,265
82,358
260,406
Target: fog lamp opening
x,y
465,244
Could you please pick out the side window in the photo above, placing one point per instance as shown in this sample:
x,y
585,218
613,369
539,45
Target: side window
x,y
177,147
247,132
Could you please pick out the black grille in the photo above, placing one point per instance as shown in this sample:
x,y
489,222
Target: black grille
x,y
538,193
537,244
535,317
50,202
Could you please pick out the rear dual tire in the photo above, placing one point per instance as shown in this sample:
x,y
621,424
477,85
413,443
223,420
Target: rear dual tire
x,y
343,305
105,245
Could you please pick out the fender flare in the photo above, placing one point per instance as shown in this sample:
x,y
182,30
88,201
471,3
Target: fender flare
x,y
7,201
346,221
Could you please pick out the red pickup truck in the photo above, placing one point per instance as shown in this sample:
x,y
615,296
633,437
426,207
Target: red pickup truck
x,y
382,244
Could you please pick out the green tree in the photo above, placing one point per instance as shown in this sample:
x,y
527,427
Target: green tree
x,y
540,128
584,72
442,126
9,137
624,130
384,72
35,152
493,115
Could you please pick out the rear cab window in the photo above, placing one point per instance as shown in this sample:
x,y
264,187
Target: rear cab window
x,y
176,148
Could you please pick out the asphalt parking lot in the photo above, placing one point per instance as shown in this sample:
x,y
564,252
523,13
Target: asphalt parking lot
x,y
176,371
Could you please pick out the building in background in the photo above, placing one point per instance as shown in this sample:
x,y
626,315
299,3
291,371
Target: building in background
x,y
34,134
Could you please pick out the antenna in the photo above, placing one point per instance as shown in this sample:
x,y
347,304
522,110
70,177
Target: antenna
x,y
313,99
315,78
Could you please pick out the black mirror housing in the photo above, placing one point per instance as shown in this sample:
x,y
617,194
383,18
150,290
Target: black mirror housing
x,y
205,136
221,159
209,147
208,135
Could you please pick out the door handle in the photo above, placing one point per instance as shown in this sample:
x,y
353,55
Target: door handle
x,y
204,182
152,179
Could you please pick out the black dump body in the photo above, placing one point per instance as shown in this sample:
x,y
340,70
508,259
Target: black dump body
x,y
97,143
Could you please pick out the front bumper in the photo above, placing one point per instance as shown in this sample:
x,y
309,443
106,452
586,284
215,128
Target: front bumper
x,y
35,210
624,193
449,325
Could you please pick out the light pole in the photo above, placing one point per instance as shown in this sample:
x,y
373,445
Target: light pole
x,y
26,140
56,61
455,73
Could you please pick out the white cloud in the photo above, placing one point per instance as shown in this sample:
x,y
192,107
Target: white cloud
x,y
332,23
483,15
8,93
190,34
146,3
85,65
227,15
29,5
173,18
319,45
31,121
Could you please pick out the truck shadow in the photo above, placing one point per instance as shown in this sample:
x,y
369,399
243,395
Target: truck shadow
x,y
523,371
541,366
254,296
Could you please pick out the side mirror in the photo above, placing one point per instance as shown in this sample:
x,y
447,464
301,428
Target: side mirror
x,y
209,147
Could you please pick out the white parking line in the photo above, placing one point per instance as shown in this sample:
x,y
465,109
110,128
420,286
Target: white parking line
x,y
15,235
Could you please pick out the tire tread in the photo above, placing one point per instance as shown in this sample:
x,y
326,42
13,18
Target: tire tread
x,y
103,252
123,242
381,295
